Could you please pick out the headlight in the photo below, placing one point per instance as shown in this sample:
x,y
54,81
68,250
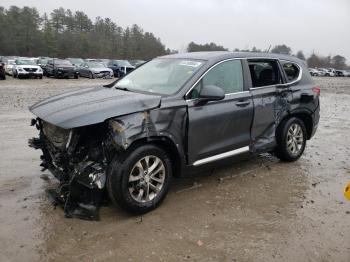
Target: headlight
x,y
59,137
39,70
19,68
60,68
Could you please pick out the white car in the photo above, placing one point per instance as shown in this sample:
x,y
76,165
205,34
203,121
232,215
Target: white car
x,y
9,66
25,67
330,72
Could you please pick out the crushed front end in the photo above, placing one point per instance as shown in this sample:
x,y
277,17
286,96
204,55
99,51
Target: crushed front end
x,y
78,158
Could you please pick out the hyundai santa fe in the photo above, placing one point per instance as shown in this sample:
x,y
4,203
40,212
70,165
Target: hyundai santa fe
x,y
126,140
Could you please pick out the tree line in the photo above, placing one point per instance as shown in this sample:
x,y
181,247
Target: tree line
x,y
63,33
314,60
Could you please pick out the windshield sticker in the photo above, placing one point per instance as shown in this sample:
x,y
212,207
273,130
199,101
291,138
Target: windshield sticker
x,y
190,63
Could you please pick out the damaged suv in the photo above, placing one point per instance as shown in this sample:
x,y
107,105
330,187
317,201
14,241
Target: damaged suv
x,y
128,139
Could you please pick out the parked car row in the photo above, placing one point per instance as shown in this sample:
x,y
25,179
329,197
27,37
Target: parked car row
x,y
24,67
328,72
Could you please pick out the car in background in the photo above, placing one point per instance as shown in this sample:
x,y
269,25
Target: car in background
x,y
93,69
120,67
346,73
76,61
137,62
339,73
314,72
42,61
2,70
322,71
9,66
103,61
330,72
61,68
26,67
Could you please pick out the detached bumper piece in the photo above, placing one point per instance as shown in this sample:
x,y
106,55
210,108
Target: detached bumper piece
x,y
77,201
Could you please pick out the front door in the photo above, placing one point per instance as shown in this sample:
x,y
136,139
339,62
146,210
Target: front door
x,y
217,128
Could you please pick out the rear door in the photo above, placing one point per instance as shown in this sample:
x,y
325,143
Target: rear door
x,y
219,128
271,101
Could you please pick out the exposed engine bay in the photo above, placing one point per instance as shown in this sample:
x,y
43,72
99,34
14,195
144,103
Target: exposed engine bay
x,y
78,158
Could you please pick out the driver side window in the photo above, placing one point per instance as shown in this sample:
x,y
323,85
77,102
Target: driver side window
x,y
228,75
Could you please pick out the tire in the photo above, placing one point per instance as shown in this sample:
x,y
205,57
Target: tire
x,y
76,77
91,75
121,170
40,77
14,74
284,135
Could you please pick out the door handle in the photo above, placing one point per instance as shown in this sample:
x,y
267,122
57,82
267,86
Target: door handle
x,y
242,103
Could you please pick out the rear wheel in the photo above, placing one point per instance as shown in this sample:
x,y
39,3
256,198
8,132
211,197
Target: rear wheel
x,y
139,181
91,75
291,139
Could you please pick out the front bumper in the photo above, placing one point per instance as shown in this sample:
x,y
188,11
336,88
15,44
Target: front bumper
x,y
25,73
67,73
103,74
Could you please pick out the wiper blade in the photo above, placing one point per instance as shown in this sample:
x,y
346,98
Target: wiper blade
x,y
122,88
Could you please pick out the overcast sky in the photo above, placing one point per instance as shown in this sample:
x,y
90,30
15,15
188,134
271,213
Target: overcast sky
x,y
322,25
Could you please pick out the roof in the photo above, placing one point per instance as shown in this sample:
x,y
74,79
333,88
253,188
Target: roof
x,y
219,55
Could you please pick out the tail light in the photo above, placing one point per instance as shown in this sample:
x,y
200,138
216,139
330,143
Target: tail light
x,y
316,90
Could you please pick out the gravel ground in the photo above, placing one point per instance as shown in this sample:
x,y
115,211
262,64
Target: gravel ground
x,y
246,209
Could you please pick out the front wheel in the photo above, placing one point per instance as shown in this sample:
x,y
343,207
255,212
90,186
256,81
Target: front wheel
x,y
139,181
291,139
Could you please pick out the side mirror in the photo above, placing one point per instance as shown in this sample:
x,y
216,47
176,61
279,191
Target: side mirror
x,y
211,93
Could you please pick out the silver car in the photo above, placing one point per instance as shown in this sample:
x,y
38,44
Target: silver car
x,y
95,70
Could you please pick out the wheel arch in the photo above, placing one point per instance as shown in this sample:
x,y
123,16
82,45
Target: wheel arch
x,y
169,146
305,117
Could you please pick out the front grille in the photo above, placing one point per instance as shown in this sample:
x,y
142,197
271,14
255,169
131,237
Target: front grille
x,y
129,69
30,69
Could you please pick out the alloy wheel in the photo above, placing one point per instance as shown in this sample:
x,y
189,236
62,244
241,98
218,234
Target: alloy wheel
x,y
295,139
146,178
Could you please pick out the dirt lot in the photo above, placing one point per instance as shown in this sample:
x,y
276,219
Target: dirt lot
x,y
247,209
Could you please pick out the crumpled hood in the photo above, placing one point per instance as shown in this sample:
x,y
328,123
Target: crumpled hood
x,y
91,105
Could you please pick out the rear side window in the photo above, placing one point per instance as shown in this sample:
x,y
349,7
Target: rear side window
x,y
292,71
264,72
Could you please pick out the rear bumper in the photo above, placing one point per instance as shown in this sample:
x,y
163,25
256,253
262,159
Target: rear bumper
x,y
316,120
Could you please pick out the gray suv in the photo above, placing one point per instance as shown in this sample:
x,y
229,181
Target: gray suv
x,y
128,139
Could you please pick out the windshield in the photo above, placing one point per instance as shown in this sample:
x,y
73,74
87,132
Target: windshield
x,y
25,62
161,76
43,61
95,65
62,62
123,63
76,61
